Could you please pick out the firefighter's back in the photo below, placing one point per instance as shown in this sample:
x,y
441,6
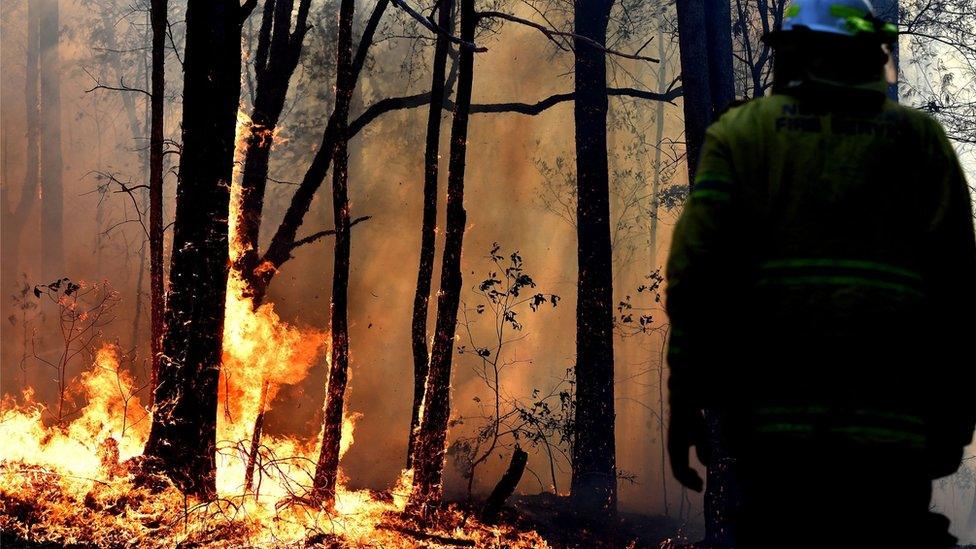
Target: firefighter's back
x,y
835,207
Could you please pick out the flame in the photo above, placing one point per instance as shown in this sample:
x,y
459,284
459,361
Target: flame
x,y
82,483
112,412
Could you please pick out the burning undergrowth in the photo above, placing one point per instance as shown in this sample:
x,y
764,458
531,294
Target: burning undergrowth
x,y
84,481
81,479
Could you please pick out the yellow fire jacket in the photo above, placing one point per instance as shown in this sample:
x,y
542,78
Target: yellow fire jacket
x,y
822,276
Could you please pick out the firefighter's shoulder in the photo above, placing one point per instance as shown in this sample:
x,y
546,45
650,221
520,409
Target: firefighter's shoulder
x,y
741,116
917,124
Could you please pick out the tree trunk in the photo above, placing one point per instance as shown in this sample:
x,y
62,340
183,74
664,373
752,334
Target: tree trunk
x,y
425,271
273,70
706,69
52,191
256,432
157,302
428,459
721,83
694,78
721,493
271,60
277,56
327,467
182,440
594,482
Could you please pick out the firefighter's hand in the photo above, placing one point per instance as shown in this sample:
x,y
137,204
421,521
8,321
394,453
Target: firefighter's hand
x,y
685,429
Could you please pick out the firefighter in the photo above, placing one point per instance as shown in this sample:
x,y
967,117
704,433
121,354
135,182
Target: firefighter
x,y
822,295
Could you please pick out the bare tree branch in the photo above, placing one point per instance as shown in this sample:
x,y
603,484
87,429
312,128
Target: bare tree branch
x,y
322,234
431,26
552,34
388,104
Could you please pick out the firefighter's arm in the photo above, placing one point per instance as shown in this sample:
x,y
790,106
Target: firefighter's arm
x,y
700,250
952,283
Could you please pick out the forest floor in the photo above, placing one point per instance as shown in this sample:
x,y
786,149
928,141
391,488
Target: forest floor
x,y
554,519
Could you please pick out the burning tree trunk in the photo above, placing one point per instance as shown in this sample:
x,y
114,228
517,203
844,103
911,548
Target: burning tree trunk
x,y
428,458
15,218
182,440
277,55
52,192
258,279
157,20
426,270
327,468
594,482
278,52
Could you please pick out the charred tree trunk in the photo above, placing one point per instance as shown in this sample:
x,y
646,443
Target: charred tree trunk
x,y
182,440
277,55
425,272
157,21
694,78
594,482
327,468
505,487
284,240
721,494
428,459
15,217
721,83
52,191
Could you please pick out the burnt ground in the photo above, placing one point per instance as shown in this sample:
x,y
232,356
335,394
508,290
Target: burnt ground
x,y
562,527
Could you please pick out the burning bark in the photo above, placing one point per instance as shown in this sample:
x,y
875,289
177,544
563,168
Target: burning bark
x,y
428,459
278,51
182,440
425,272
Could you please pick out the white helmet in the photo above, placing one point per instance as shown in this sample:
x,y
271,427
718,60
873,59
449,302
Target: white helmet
x,y
840,17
